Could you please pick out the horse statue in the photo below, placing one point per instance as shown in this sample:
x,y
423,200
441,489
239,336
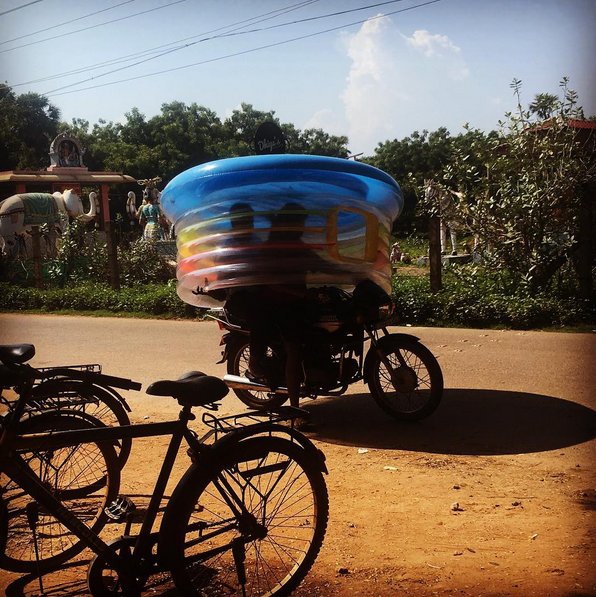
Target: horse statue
x,y
450,218
20,212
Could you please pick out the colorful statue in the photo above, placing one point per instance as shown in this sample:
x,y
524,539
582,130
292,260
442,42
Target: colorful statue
x,y
19,212
451,220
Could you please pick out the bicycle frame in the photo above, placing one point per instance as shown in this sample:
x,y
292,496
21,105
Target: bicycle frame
x,y
17,469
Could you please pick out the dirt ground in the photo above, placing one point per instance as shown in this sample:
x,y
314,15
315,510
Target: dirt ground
x,y
493,495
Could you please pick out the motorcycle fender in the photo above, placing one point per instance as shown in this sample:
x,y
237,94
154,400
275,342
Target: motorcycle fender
x,y
381,343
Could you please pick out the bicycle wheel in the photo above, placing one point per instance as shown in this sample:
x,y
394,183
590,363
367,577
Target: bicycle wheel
x,y
93,400
238,365
85,478
414,390
213,547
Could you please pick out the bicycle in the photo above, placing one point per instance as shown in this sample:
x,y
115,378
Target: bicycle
x,y
247,518
83,389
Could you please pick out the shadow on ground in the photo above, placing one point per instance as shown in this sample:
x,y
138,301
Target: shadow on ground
x,y
467,422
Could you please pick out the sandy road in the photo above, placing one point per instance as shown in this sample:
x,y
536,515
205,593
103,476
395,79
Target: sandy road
x,y
513,443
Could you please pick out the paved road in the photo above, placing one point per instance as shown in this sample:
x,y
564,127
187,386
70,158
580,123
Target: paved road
x,y
518,418
553,364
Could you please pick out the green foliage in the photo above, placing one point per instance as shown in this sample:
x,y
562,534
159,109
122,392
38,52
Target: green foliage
x,y
82,256
141,263
524,189
28,124
152,299
180,137
474,297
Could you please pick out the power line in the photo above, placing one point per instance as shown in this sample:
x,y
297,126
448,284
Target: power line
x,y
66,23
270,15
234,32
19,7
93,26
268,46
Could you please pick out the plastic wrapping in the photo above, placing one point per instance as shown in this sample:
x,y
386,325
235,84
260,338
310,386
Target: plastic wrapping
x,y
280,219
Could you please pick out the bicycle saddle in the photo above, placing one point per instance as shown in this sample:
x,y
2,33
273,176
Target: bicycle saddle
x,y
191,389
16,353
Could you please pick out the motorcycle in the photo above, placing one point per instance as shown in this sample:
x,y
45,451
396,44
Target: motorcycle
x,y
348,342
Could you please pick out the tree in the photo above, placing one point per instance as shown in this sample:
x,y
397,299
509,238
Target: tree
x,y
525,201
410,161
28,124
544,105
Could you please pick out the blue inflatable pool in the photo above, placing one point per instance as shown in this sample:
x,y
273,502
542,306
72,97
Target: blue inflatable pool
x,y
280,219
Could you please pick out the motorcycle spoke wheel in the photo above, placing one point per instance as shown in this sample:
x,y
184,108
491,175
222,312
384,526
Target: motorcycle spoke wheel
x,y
409,385
238,365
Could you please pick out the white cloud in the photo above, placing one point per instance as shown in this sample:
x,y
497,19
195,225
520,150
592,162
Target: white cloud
x,y
441,48
398,84
373,91
432,45
327,120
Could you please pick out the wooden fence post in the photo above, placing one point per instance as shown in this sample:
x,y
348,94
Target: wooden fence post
x,y
37,261
434,253
112,255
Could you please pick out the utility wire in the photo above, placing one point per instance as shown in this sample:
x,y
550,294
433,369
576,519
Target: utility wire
x,y
19,7
158,56
234,32
66,23
272,45
93,26
270,15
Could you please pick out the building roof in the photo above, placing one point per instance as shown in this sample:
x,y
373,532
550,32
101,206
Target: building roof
x,y
574,124
74,175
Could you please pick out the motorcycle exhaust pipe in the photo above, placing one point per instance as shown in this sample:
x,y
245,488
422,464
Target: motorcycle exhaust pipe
x,y
242,383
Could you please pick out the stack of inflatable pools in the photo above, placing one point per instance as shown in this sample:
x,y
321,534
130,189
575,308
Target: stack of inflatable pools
x,y
280,219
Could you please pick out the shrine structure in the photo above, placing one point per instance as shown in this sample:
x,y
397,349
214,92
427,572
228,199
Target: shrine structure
x,y
66,171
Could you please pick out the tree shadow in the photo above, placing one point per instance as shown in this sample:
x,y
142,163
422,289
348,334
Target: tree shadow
x,y
467,422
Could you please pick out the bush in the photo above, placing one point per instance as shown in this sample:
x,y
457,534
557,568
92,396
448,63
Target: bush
x,y
151,299
474,297
141,263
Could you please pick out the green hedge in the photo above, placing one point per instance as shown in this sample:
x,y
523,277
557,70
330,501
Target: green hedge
x,y
467,299
151,299
478,303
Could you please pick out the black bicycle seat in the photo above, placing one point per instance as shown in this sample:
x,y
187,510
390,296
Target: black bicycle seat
x,y
191,389
16,353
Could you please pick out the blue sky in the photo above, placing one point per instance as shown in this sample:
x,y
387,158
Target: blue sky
x,y
442,64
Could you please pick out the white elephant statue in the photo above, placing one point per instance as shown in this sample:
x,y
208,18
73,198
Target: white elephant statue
x,y
19,212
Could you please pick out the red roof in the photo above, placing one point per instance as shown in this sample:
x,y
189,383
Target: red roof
x,y
574,124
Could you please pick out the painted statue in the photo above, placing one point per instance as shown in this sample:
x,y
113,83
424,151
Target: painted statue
x,y
450,218
19,212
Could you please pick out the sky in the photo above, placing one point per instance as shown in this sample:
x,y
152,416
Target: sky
x,y
375,74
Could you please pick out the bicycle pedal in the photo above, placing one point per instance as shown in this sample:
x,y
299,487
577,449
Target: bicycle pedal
x,y
119,508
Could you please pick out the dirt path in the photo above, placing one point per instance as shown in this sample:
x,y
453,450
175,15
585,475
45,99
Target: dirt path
x,y
513,444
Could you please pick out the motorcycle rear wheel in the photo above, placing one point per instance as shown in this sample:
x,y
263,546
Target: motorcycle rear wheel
x,y
238,365
416,389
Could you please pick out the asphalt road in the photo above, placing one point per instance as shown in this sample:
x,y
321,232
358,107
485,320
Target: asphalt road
x,y
546,363
518,418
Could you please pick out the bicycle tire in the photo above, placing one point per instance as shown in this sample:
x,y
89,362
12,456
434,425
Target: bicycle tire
x,y
90,399
421,378
69,473
281,486
238,365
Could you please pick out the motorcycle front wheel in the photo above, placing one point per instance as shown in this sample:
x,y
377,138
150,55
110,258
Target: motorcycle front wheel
x,y
413,388
238,356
